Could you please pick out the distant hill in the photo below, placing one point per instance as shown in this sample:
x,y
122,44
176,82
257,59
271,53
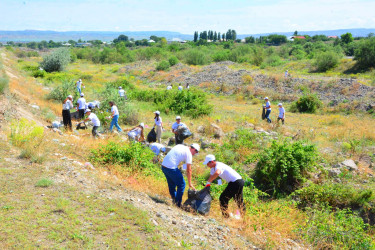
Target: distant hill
x,y
38,35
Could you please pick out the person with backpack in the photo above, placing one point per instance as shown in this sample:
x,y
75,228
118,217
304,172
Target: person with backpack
x,y
268,109
178,154
235,184
95,122
115,115
67,118
81,104
158,125
136,133
175,127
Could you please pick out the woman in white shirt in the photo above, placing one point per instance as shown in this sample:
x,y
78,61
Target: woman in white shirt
x,y
158,125
67,106
136,133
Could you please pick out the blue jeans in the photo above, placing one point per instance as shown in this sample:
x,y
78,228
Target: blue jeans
x,y
175,179
114,122
268,112
79,90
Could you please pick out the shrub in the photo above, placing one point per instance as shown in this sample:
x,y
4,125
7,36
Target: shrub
x,y
38,73
4,81
163,65
56,61
273,61
220,56
306,104
284,166
365,53
23,131
326,60
173,60
44,183
335,230
247,79
196,57
60,92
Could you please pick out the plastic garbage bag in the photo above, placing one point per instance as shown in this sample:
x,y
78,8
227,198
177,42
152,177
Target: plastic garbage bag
x,y
151,137
198,201
263,113
183,133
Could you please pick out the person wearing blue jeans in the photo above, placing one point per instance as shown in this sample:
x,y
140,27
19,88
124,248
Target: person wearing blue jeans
x,y
268,109
115,116
179,153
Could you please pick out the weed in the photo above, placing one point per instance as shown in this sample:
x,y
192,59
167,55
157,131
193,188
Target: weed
x,y
24,131
44,183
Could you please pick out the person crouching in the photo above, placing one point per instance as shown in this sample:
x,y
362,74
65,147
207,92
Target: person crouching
x,y
95,121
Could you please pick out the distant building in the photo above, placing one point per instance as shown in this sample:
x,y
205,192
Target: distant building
x,y
66,44
334,37
83,45
176,40
297,37
151,41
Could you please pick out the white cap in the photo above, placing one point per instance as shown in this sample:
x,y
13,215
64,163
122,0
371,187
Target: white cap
x,y
178,117
87,110
80,80
70,96
82,94
280,104
163,149
195,146
265,98
120,87
157,112
208,159
142,125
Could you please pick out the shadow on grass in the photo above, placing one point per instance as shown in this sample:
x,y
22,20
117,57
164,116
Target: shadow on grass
x,y
158,199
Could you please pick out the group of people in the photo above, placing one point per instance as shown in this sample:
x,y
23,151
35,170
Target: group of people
x,y
180,88
267,108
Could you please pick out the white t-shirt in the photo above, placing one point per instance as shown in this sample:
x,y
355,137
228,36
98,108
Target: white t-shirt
x,y
135,133
179,153
169,87
176,126
268,105
94,119
180,87
156,147
227,173
281,112
158,123
114,110
79,84
68,105
81,103
121,92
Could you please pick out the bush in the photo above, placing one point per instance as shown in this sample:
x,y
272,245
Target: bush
x,y
335,230
62,91
163,65
173,60
365,53
44,183
4,81
196,57
306,104
23,131
284,166
326,60
56,61
38,73
273,61
220,56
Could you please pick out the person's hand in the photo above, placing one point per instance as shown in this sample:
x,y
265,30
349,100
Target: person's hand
x,y
192,187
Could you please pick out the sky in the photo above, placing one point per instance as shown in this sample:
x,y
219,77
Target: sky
x,y
245,16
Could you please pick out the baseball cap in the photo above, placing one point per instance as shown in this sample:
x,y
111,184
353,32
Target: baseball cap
x,y
82,94
157,112
70,96
280,104
80,80
265,98
142,125
87,110
208,159
178,117
195,146
120,87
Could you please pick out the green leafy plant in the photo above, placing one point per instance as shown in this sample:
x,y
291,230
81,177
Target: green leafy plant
x,y
326,60
23,131
44,183
163,65
56,60
308,103
60,92
173,60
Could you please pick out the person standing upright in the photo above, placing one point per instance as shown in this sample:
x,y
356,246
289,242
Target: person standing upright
x,y
180,88
158,125
268,109
178,124
67,106
281,113
79,85
121,92
115,115
81,103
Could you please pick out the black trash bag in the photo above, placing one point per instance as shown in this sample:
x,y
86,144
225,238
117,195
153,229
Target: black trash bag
x,y
183,133
263,113
151,137
81,125
198,201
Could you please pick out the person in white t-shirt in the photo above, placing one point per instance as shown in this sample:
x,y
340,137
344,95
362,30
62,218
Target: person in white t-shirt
x,y
169,87
81,104
115,115
136,133
235,184
79,85
281,113
121,92
178,124
268,109
178,154
67,118
157,148
95,122
180,88
158,125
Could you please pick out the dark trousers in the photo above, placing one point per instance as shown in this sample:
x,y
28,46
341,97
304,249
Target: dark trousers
x,y
94,131
177,140
175,179
81,113
233,190
67,119
268,112
282,119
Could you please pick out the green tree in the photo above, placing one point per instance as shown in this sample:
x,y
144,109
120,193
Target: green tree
x,y
121,38
295,33
56,61
365,53
249,39
347,38
195,36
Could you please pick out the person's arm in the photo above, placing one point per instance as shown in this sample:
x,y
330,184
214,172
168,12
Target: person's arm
x,y
86,120
188,174
214,176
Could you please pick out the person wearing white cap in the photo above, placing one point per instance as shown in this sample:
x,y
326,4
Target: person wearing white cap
x,y
95,121
175,126
81,103
67,106
178,154
235,184
169,87
136,133
268,109
180,88
121,92
281,113
158,125
286,74
79,85
157,148
115,115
